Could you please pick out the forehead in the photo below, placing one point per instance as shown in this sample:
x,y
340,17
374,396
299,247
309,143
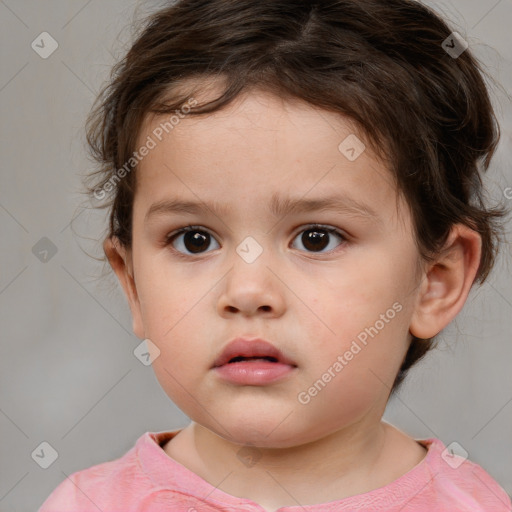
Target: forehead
x,y
259,146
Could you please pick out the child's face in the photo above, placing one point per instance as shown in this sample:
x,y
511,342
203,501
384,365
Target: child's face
x,y
310,301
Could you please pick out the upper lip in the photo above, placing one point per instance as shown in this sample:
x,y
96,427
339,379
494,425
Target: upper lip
x,y
251,348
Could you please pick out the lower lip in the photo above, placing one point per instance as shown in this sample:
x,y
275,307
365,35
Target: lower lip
x,y
254,373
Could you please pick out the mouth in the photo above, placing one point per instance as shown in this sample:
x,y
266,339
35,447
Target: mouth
x,y
242,350
239,359
254,362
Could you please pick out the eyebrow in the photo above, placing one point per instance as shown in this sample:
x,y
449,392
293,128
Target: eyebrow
x,y
278,206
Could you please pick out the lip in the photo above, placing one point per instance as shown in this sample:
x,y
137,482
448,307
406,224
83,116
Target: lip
x,y
251,348
257,371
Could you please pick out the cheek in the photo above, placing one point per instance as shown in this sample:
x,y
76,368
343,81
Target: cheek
x,y
344,383
347,306
362,320
345,399
164,299
171,324
180,383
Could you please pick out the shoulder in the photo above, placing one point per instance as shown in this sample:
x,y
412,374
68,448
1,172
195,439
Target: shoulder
x,y
458,482
99,485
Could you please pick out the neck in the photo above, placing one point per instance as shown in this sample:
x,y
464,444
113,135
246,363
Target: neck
x,y
350,461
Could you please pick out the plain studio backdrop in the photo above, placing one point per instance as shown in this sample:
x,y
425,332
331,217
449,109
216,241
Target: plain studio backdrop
x,y
71,387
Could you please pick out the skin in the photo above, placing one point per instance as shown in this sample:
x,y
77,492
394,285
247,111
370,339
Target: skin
x,y
309,304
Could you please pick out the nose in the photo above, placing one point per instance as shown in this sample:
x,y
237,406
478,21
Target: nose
x,y
252,288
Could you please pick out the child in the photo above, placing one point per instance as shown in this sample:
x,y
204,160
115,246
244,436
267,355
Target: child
x,y
233,138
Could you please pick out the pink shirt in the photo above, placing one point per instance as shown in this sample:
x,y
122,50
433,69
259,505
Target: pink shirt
x,y
147,479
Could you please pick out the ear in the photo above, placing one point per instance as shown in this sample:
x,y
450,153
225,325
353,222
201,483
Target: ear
x,y
446,285
120,260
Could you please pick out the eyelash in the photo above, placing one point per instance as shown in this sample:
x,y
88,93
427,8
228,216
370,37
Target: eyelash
x,y
309,227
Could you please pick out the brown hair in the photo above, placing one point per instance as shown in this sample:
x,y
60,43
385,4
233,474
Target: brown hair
x,y
379,62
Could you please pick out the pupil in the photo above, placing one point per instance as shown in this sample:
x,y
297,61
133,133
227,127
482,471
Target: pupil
x,y
315,239
195,241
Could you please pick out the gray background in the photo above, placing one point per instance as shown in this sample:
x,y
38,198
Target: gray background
x,y
68,375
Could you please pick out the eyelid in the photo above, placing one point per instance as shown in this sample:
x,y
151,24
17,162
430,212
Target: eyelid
x,y
168,241
345,237
302,227
341,234
184,229
324,227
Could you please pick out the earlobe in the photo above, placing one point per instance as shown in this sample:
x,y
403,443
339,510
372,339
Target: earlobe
x,y
447,283
120,260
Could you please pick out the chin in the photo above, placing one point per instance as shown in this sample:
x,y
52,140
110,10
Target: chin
x,y
270,433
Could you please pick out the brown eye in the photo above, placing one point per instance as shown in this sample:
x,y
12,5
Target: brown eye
x,y
317,238
193,241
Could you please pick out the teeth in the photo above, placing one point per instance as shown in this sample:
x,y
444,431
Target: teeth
x,y
242,358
